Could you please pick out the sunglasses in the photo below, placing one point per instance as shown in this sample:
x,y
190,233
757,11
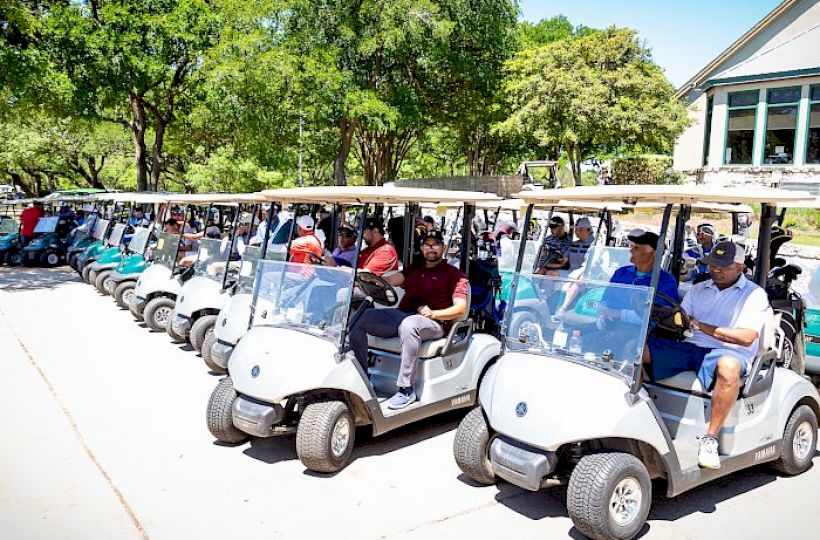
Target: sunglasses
x,y
556,225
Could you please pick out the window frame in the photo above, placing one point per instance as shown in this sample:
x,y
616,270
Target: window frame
x,y
729,109
707,134
809,103
766,125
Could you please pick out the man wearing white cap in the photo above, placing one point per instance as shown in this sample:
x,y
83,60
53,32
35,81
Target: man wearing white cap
x,y
307,243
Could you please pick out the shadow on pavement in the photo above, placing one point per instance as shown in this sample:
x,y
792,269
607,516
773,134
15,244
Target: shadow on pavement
x,y
272,449
22,279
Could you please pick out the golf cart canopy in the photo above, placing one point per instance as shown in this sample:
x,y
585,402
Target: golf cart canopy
x,y
377,194
690,195
813,203
222,199
143,197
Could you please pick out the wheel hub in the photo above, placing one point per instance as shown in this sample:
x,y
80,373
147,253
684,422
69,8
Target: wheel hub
x,y
801,445
161,315
341,437
625,502
128,295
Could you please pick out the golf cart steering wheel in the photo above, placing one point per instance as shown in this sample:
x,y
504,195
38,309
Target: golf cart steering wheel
x,y
377,288
670,321
315,259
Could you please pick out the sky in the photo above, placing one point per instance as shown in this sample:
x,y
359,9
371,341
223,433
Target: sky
x,y
683,36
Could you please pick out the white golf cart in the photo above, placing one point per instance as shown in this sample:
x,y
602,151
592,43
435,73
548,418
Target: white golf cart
x,y
566,403
214,274
294,372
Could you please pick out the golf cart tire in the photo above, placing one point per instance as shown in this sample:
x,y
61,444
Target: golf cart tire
x,y
121,291
14,258
151,310
50,259
199,331
99,281
788,463
471,448
314,436
90,276
72,261
220,414
169,329
207,346
591,486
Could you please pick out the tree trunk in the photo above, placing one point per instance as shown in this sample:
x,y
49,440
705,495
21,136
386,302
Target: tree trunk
x,y
138,127
574,155
345,142
156,158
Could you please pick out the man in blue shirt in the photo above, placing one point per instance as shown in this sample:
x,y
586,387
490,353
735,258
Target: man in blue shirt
x,y
705,236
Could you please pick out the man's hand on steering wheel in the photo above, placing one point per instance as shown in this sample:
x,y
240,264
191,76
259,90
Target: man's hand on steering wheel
x,y
315,259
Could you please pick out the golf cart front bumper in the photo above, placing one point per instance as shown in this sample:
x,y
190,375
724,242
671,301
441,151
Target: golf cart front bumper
x,y
116,277
526,468
256,418
99,267
137,305
181,325
221,353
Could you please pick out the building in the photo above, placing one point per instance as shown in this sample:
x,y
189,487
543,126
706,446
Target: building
x,y
755,109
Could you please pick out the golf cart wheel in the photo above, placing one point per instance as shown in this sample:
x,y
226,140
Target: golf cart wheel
x,y
158,313
50,259
124,293
169,329
72,261
90,277
220,415
199,330
14,258
207,346
471,448
609,496
110,286
325,436
99,281
799,442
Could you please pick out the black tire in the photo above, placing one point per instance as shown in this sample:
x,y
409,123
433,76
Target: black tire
x,y
207,346
519,318
592,486
802,425
72,261
99,281
157,312
50,259
220,415
199,331
124,292
471,448
89,275
14,258
315,433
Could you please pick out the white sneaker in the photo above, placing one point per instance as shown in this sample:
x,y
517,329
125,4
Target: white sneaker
x,y
708,457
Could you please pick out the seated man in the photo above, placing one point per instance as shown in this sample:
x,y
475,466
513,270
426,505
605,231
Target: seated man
x,y
345,252
555,251
705,236
578,248
307,243
727,314
434,293
379,256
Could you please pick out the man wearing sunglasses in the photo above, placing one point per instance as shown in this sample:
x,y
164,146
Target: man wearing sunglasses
x,y
555,252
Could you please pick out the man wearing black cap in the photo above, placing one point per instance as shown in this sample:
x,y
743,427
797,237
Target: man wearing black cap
x,y
345,252
727,313
379,256
555,251
434,294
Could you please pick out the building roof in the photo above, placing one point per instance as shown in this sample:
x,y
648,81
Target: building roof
x,y
755,31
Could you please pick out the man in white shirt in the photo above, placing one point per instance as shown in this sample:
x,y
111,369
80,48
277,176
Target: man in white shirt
x,y
727,315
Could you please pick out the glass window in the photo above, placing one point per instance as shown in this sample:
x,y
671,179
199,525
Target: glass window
x,y
815,93
783,95
740,137
781,128
744,99
813,135
707,138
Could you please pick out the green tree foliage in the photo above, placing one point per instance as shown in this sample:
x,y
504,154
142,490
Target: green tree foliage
x,y
645,169
593,94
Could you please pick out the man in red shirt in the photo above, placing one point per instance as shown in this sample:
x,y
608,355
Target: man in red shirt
x,y
434,294
379,256
28,220
307,242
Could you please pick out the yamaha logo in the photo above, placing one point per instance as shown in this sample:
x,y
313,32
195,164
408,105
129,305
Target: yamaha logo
x,y
521,409
255,372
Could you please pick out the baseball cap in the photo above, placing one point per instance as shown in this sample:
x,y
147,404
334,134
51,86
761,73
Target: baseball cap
x,y
724,254
306,222
428,219
707,228
556,220
434,235
583,223
347,230
374,223
643,238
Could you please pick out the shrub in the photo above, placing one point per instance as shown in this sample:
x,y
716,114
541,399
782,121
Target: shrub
x,y
645,169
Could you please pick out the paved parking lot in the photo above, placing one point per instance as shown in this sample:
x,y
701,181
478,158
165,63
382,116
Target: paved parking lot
x,y
104,437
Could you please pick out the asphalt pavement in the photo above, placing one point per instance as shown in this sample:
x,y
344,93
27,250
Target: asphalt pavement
x,y
104,436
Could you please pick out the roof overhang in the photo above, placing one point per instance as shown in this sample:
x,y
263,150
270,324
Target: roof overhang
x,y
376,194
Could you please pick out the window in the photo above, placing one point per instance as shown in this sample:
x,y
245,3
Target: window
x,y
707,138
740,129
813,133
781,125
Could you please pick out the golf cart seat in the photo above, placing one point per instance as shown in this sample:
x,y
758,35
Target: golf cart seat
x,y
459,335
759,377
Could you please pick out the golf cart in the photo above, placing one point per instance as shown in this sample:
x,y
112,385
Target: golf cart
x,y
568,402
233,319
215,273
10,246
49,247
293,372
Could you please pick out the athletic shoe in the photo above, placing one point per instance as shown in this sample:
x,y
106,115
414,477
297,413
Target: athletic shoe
x,y
401,399
708,457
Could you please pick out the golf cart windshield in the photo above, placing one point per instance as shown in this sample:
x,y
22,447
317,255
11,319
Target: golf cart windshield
x,y
302,297
597,323
250,263
9,226
100,226
166,250
602,261
115,237
139,240
212,257
46,224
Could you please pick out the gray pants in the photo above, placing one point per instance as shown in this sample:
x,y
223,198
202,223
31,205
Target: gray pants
x,y
411,328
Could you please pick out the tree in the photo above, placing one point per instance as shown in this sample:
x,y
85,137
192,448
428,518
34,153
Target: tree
x,y
596,93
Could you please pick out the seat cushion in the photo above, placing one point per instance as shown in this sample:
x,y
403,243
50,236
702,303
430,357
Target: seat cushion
x,y
428,349
686,380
